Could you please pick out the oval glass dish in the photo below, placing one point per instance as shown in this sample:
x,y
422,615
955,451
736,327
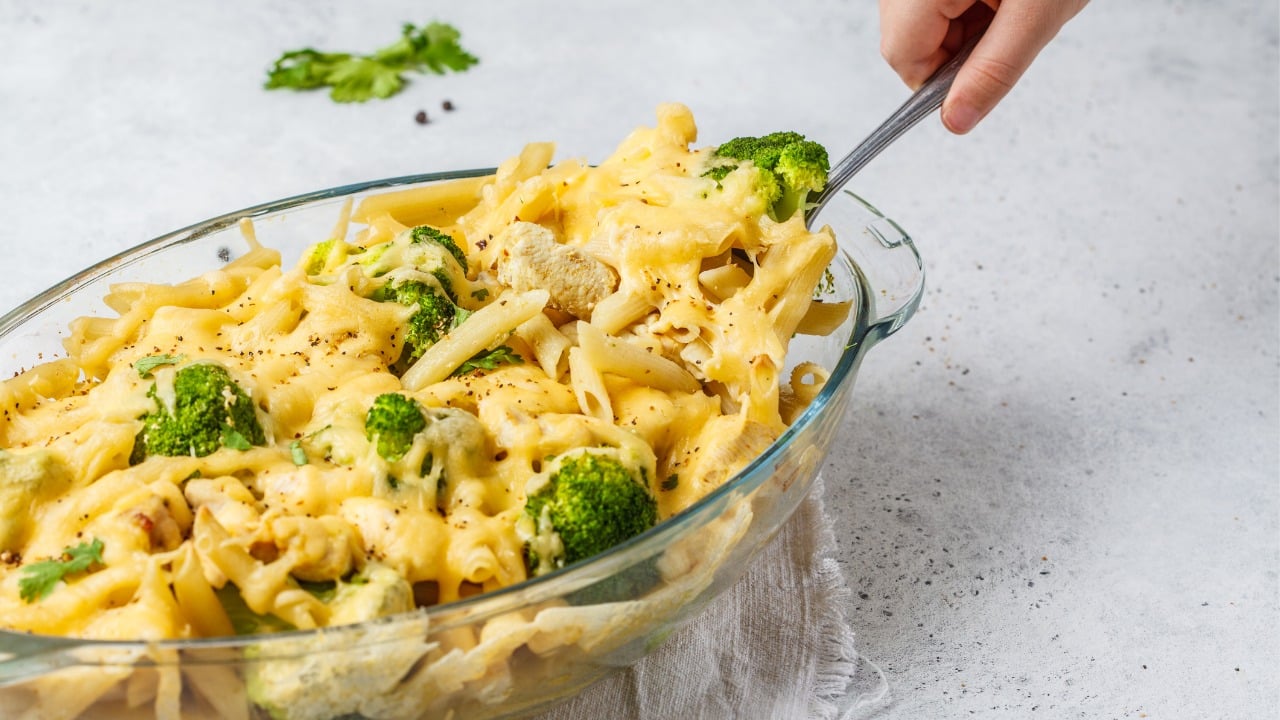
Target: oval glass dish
x,y
501,654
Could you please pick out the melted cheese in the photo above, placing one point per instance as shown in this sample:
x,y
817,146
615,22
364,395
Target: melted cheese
x,y
312,349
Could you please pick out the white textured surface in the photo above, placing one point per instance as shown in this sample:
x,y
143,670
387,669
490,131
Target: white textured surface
x,y
1057,490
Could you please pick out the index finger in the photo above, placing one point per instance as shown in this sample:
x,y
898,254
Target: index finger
x,y
918,36
1017,34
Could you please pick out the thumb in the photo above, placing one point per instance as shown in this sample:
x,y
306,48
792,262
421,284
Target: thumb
x,y
1018,32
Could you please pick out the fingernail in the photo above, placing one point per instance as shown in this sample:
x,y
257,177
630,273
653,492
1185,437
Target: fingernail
x,y
960,119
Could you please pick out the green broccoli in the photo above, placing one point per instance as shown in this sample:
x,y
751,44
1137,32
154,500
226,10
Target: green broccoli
x,y
421,268
426,270
203,410
376,591
445,273
328,677
436,314
424,250
316,258
426,233
789,167
589,504
326,256
391,424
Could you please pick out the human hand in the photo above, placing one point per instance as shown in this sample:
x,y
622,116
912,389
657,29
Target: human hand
x,y
918,36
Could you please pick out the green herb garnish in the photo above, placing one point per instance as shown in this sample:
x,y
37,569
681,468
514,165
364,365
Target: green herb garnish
x,y
297,453
39,578
432,48
145,366
489,360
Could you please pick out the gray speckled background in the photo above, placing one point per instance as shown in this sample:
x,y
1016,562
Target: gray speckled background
x,y
1057,488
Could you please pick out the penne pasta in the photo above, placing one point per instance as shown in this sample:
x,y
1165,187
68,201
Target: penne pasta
x,y
822,318
436,204
588,386
550,346
610,354
485,328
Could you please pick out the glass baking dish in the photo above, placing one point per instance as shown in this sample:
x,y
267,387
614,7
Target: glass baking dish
x,y
501,654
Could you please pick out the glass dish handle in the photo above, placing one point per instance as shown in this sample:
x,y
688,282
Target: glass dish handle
x,y
895,283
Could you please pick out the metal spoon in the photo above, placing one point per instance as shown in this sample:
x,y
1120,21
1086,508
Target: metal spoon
x,y
923,102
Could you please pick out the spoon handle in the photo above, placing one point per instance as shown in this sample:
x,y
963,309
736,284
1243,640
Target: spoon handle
x,y
923,102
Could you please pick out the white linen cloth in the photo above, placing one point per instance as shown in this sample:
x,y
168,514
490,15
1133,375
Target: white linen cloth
x,y
777,644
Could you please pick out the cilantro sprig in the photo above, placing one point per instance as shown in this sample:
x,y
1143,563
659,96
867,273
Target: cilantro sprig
x,y
39,578
433,48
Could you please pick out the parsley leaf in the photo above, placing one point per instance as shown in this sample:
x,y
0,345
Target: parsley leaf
x,y
432,48
304,69
297,453
436,46
39,578
145,366
360,79
489,360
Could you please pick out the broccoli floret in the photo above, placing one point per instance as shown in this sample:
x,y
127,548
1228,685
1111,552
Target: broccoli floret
x,y
421,268
789,167
202,410
589,504
436,314
443,274
327,255
378,591
426,233
332,677
349,675
317,257
430,286
419,249
391,424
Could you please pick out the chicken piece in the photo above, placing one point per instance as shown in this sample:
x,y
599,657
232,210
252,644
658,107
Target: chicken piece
x,y
324,548
532,259
229,501
155,518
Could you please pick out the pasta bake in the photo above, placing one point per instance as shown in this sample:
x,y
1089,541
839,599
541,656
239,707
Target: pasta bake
x,y
384,423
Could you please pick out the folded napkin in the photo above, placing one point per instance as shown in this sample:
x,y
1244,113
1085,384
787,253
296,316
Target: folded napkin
x,y
775,645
